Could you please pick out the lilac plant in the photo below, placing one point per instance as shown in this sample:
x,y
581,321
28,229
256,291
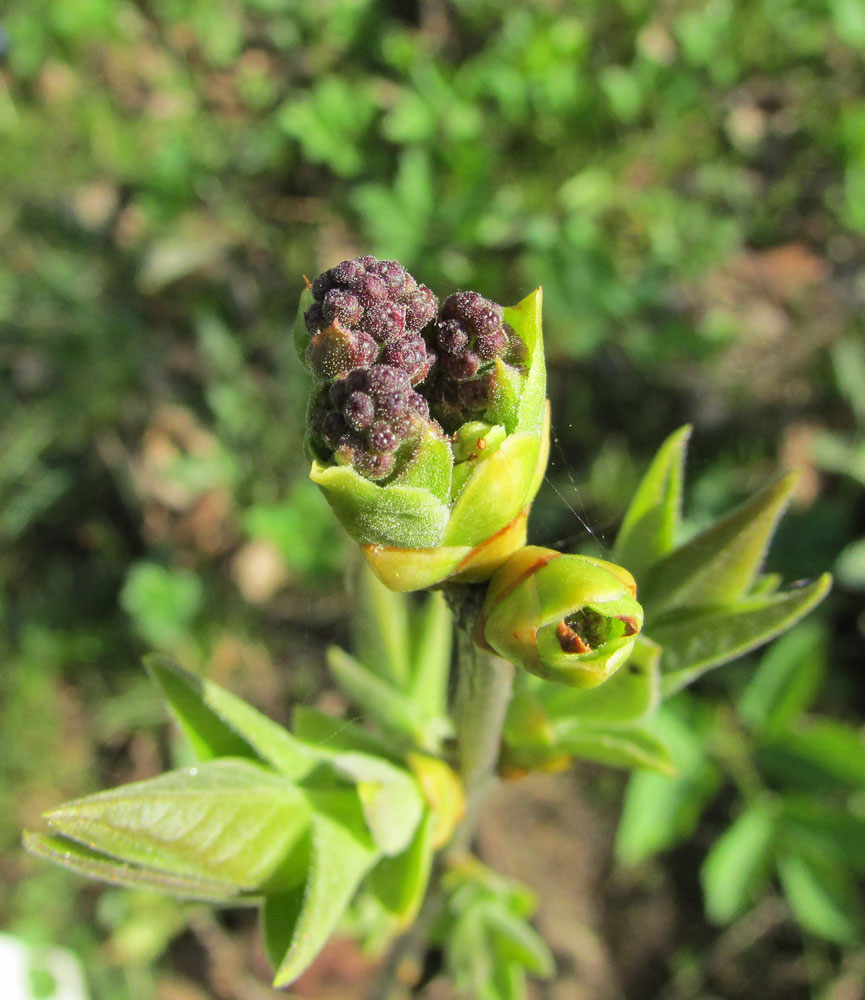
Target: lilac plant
x,y
428,435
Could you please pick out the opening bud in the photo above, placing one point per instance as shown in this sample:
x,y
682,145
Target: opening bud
x,y
570,619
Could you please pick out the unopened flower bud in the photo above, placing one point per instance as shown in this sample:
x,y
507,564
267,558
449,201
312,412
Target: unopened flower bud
x,y
566,618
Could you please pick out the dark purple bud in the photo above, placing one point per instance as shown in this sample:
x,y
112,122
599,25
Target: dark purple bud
x,y
343,305
460,367
475,394
338,393
421,308
517,352
398,281
419,405
385,321
375,465
490,345
321,284
314,318
349,272
359,411
335,351
382,437
333,428
451,337
370,290
349,448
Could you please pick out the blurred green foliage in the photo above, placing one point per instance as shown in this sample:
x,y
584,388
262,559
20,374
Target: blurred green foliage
x,y
687,181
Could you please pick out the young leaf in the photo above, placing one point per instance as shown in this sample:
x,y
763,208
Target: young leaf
x,y
297,924
721,563
380,629
822,897
229,821
399,883
648,531
390,798
431,658
660,811
817,754
84,861
737,863
696,642
219,724
328,735
786,681
818,830
631,694
391,709
517,942
616,746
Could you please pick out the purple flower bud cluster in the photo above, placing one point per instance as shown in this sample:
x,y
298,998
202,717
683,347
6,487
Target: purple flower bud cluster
x,y
383,356
365,417
367,311
469,336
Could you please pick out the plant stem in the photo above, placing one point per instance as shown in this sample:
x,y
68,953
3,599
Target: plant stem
x,y
484,685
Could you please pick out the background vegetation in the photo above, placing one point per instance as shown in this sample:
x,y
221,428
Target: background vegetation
x,y
687,182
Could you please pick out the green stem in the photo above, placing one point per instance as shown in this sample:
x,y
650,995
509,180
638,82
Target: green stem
x,y
484,686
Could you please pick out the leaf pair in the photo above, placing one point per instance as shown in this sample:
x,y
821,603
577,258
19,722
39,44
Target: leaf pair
x,y
295,821
548,724
705,601
399,677
489,944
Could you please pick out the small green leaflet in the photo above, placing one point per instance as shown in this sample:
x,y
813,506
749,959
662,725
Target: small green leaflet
x,y
648,531
219,724
738,863
720,564
227,821
297,924
399,883
617,746
696,642
84,861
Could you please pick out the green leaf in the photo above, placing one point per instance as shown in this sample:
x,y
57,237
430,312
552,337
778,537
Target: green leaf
x,y
694,643
431,468
162,602
822,897
399,883
219,724
401,516
817,754
631,694
516,941
721,563
525,318
81,859
297,924
660,811
495,492
648,531
817,829
387,706
380,629
329,735
391,800
616,746
431,658
786,681
738,863
300,334
230,821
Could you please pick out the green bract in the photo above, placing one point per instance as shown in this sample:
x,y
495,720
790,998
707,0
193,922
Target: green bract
x,y
457,507
565,618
